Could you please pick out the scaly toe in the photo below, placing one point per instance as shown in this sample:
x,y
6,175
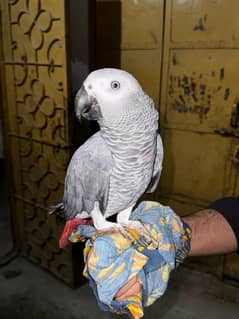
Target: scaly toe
x,y
126,233
113,229
102,232
138,226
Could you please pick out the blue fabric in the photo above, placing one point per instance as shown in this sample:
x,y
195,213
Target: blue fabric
x,y
111,260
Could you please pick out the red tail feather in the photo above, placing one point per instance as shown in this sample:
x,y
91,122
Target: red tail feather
x,y
70,226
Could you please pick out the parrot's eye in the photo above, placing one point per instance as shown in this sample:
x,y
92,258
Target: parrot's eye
x,y
115,85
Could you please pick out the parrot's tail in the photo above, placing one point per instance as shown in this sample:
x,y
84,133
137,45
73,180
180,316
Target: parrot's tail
x,y
56,208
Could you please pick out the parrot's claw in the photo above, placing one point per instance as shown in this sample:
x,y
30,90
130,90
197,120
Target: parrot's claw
x,y
114,228
139,227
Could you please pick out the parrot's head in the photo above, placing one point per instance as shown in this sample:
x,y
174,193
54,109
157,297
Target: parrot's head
x,y
108,94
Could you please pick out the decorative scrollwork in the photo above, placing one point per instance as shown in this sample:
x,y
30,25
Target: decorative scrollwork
x,y
34,22
20,75
38,76
41,177
40,109
37,101
42,243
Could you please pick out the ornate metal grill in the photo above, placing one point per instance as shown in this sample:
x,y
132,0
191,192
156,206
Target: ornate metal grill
x,y
34,72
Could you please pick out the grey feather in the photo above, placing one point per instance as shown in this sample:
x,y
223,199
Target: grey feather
x,y
133,144
87,177
124,159
157,167
56,208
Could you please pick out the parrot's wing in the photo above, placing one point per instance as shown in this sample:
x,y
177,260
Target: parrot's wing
x,y
87,177
157,167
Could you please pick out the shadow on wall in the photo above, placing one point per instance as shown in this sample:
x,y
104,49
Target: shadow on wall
x,y
107,34
95,45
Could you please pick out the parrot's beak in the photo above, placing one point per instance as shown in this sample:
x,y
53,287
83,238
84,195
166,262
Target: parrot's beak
x,y
86,106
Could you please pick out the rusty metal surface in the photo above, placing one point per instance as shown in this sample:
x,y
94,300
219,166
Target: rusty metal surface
x,y
199,113
205,22
36,116
201,90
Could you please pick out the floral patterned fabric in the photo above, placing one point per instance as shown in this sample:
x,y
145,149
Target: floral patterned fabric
x,y
111,260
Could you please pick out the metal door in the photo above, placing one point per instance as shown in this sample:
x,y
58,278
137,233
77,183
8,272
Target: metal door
x,y
35,107
200,108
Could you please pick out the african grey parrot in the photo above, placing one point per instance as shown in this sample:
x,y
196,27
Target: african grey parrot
x,y
123,160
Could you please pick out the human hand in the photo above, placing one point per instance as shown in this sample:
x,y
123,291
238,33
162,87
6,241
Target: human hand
x,y
130,289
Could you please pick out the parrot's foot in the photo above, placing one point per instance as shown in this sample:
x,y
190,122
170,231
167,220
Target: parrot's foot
x,y
139,227
110,228
70,226
103,226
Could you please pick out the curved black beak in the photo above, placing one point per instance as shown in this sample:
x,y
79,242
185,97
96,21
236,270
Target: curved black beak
x,y
86,105
82,102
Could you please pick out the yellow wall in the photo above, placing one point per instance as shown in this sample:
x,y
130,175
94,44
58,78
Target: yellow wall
x,y
129,36
198,43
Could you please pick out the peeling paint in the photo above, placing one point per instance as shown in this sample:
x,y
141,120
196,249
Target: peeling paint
x,y
186,90
226,93
222,74
200,26
195,99
182,99
193,86
201,110
194,93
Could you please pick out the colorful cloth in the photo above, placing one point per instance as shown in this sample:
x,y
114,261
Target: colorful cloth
x,y
111,260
